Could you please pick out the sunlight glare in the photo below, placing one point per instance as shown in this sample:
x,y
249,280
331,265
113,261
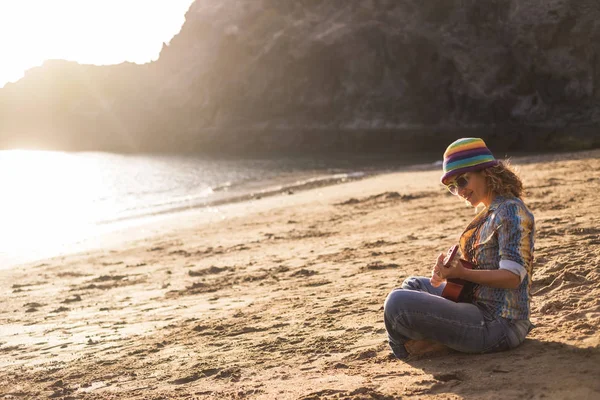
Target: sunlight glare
x,y
45,201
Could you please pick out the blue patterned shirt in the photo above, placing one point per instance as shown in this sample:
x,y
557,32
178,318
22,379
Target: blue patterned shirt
x,y
502,237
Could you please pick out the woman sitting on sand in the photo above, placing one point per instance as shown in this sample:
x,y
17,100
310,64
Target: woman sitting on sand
x,y
499,241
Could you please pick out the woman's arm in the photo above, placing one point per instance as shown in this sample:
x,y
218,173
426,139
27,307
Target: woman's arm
x,y
497,278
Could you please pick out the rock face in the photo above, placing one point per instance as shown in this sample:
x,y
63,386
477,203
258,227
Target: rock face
x,y
271,75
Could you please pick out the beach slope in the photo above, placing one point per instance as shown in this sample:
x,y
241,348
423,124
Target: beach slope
x,y
281,298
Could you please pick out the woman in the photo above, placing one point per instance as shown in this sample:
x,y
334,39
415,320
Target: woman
x,y
499,241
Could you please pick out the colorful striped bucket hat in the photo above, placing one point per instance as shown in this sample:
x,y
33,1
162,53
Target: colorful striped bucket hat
x,y
466,155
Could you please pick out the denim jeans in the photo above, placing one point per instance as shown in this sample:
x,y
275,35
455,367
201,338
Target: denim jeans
x,y
417,311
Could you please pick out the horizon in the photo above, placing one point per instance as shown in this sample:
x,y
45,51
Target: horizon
x,y
76,31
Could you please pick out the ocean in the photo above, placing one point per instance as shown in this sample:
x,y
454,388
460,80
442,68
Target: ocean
x,y
53,200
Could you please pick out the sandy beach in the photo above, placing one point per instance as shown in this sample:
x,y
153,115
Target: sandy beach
x,y
281,298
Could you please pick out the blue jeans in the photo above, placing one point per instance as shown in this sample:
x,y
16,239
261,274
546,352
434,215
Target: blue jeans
x,y
417,311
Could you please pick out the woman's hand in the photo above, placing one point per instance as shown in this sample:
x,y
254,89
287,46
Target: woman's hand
x,y
436,280
454,270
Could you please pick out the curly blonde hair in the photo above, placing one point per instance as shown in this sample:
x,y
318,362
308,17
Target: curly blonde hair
x,y
502,179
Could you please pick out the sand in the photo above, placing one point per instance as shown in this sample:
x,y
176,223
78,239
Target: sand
x,y
281,298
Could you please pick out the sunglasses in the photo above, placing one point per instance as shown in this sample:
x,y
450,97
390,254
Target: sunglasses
x,y
459,183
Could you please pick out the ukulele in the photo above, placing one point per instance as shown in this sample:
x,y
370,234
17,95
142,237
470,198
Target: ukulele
x,y
456,288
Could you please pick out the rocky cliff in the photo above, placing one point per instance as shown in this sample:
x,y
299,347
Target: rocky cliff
x,y
272,75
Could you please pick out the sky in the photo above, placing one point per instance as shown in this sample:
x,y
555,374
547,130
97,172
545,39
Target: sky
x,y
86,31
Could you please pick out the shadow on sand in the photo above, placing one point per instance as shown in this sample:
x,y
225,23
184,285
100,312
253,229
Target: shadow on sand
x,y
535,370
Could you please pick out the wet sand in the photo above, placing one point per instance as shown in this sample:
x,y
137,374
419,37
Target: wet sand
x,y
281,298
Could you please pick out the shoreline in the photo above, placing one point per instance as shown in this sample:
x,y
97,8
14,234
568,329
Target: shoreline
x,y
110,233
113,232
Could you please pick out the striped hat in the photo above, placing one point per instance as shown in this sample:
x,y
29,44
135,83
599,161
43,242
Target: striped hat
x,y
466,155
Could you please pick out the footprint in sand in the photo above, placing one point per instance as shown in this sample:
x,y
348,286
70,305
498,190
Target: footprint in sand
x,y
379,265
304,273
72,299
210,271
233,373
32,307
